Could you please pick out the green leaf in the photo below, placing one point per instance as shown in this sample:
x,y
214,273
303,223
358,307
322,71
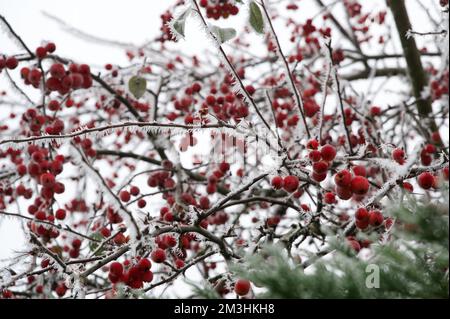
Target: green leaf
x,y
223,34
256,18
137,86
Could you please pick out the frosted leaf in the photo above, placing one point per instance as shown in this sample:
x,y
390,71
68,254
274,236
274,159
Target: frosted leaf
x,y
177,24
223,34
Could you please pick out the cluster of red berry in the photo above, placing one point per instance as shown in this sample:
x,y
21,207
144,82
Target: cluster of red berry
x,y
166,34
348,184
125,195
216,9
365,218
42,51
133,276
43,170
290,183
216,176
36,121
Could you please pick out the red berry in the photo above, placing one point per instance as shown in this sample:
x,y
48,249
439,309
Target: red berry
x,y
250,89
105,232
41,52
53,105
436,137
398,155
11,63
344,193
84,69
57,70
125,196
50,47
291,183
343,178
242,287
114,278
21,169
430,148
67,82
170,241
210,100
34,76
158,255
77,80
312,144
355,245
76,243
319,177
7,294
144,264
277,182
179,263
328,152
134,190
59,188
360,185
362,224
40,215
53,84
426,159
375,111
60,214
47,180
320,167
329,198
359,171
116,268
61,290
408,186
425,180
224,167
204,202
375,218
315,156
147,276
142,203
196,87
362,214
